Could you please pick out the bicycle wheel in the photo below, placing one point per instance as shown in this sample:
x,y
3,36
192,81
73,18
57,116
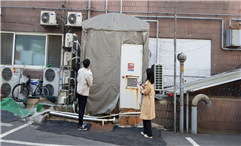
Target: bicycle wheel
x,y
42,91
20,91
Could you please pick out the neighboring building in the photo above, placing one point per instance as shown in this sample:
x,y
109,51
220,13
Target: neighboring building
x,y
224,91
18,18
21,32
25,17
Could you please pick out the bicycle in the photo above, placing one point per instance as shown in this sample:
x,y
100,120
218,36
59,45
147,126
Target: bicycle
x,y
21,91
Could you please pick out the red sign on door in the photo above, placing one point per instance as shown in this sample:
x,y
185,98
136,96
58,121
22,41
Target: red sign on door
x,y
130,66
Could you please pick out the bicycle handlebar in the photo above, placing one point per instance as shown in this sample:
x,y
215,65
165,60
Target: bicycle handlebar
x,y
29,80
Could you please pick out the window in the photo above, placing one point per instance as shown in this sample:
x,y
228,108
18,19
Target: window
x,y
54,50
6,48
30,50
131,82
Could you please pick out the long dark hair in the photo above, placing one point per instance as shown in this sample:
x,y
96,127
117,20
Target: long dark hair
x,y
150,75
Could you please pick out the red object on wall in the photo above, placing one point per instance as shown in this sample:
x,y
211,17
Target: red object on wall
x,y
130,66
170,95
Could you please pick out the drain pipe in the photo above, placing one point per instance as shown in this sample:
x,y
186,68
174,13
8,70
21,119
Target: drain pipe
x,y
84,118
195,101
199,18
179,17
226,49
106,6
121,6
89,10
187,109
90,118
230,22
187,98
43,8
135,12
157,27
96,117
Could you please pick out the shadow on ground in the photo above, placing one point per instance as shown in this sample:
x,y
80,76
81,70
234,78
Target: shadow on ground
x,y
119,136
7,117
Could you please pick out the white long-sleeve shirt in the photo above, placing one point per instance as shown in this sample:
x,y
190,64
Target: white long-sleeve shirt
x,y
84,81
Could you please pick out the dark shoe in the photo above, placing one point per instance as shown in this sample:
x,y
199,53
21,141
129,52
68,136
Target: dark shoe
x,y
82,128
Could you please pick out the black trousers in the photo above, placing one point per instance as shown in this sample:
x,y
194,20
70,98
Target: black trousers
x,y
147,127
82,103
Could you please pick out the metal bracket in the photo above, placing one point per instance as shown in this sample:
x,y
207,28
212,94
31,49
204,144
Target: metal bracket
x,y
67,48
91,9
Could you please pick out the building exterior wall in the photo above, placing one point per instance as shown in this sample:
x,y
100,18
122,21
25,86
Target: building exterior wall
x,y
223,116
27,20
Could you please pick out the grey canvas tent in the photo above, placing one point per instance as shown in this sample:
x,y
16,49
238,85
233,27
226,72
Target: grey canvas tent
x,y
102,37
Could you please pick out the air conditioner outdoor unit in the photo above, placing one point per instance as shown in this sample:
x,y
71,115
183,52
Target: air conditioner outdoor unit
x,y
158,77
10,77
51,80
74,19
71,40
48,18
67,58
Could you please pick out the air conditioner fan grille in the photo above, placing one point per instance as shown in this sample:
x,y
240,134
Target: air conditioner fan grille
x,y
72,18
7,74
6,89
45,17
50,75
50,88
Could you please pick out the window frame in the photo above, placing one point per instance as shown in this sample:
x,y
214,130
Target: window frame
x,y
13,42
46,47
62,44
132,87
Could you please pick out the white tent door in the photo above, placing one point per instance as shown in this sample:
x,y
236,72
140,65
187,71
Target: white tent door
x,y
131,70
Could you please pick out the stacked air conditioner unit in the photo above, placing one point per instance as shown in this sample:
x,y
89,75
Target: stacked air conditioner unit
x,y
48,18
74,19
9,78
71,40
158,77
51,80
63,96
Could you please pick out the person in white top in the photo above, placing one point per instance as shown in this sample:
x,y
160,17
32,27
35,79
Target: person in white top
x,y
84,81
